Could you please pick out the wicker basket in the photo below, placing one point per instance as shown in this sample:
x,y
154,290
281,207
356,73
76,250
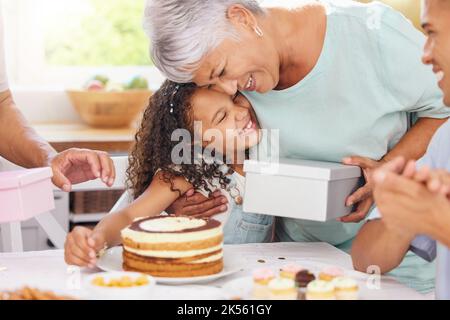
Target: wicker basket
x,y
94,201
109,109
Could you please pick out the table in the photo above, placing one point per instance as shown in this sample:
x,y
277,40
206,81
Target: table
x,y
47,270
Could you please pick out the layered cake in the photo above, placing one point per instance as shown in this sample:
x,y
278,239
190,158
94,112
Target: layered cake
x,y
167,246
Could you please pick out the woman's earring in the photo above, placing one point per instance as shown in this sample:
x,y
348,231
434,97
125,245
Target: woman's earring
x,y
259,31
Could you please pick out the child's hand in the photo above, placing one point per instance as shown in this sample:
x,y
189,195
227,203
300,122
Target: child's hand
x,y
82,246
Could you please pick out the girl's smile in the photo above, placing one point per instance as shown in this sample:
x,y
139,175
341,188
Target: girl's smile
x,y
231,116
250,127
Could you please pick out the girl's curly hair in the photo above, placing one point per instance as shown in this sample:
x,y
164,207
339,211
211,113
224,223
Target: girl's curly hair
x,y
169,109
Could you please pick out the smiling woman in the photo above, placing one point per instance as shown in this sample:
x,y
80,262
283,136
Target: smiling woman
x,y
178,56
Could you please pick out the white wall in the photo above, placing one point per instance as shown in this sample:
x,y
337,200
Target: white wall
x,y
45,106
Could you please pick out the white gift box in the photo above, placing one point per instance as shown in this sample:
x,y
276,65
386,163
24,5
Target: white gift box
x,y
300,189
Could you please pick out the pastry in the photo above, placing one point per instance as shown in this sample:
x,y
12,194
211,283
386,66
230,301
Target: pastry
x,y
303,278
329,273
261,279
345,288
282,289
289,271
320,290
28,293
167,246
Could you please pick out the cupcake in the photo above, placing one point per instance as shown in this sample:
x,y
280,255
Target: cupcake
x,y
289,271
345,288
261,278
282,289
320,290
329,273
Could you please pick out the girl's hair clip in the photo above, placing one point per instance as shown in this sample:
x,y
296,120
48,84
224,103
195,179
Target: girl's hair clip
x,y
174,92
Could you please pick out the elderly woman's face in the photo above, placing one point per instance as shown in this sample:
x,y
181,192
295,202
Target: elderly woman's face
x,y
251,64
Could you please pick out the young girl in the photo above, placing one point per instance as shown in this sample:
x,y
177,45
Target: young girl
x,y
225,125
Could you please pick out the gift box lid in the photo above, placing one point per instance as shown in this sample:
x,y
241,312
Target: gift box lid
x,y
303,169
21,178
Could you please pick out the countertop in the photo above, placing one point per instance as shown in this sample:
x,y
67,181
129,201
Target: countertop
x,y
74,135
55,133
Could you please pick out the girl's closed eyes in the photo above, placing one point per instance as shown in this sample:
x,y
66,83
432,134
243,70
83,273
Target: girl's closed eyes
x,y
233,116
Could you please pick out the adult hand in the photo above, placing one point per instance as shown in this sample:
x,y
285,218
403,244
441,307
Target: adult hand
x,y
436,180
196,205
406,205
74,166
362,198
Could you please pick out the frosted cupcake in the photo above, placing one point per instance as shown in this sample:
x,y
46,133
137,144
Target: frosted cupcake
x,y
320,290
289,271
282,289
329,273
261,278
346,288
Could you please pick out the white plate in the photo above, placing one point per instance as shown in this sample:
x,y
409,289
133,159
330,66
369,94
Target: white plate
x,y
112,261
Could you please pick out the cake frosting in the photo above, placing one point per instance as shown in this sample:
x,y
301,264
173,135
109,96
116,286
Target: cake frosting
x,y
177,229
333,271
263,274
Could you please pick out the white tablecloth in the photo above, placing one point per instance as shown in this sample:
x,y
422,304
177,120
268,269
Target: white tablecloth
x,y
47,270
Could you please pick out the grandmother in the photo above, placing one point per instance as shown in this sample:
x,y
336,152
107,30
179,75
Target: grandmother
x,y
339,79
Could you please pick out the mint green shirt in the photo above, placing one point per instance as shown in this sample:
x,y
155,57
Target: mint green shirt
x,y
356,100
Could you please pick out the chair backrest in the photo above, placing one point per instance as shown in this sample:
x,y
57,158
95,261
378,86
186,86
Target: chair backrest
x,y
121,164
123,201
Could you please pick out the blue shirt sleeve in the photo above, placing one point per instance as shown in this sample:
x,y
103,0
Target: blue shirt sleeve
x,y
409,82
424,247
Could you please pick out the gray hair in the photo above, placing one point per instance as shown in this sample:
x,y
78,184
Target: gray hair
x,y
182,32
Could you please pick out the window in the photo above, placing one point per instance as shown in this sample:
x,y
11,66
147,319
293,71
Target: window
x,y
65,42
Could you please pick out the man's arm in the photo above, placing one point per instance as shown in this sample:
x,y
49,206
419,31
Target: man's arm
x,y
19,143
378,245
413,145
415,142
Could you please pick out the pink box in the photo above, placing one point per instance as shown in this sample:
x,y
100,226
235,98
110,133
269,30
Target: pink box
x,y
25,194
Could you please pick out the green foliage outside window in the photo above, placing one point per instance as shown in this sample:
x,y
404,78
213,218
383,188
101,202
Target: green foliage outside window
x,y
107,33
